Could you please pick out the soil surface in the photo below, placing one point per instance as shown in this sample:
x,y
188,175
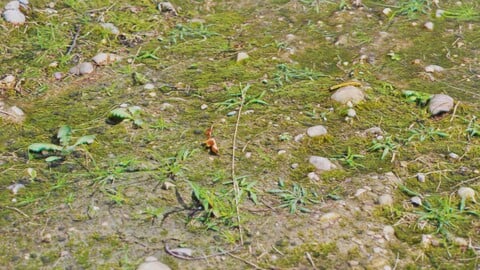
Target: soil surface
x,y
212,135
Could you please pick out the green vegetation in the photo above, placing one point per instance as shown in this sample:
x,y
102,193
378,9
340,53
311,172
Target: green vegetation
x,y
63,149
153,181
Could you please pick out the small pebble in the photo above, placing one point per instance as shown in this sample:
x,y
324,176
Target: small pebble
x,y
351,113
421,177
282,152
58,75
329,217
166,106
248,154
434,68
453,156
294,166
15,188
152,263
316,131
149,86
429,26
232,113
385,199
203,106
313,176
416,201
241,56
388,232
299,138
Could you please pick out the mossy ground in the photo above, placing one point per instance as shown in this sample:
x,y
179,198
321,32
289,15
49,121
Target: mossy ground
x,y
104,207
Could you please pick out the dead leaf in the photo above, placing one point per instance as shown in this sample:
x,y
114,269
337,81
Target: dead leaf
x,y
212,144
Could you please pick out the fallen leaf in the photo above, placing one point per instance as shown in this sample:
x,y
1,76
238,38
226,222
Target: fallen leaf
x,y
212,144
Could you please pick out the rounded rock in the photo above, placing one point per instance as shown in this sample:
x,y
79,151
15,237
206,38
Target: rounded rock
x,y
434,68
440,103
85,68
152,263
103,59
385,199
348,93
316,131
14,16
12,5
321,163
351,113
429,26
416,201
241,56
313,176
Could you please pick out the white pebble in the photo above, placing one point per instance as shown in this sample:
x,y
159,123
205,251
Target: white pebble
x,y
429,26
453,156
241,56
203,106
149,86
14,16
387,11
421,177
313,176
351,113
433,68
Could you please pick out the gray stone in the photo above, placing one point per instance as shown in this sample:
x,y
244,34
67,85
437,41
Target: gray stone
x,y
349,93
316,131
440,103
313,176
321,163
385,199
151,263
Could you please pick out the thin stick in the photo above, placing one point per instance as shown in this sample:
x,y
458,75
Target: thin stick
x,y
454,111
17,210
188,258
74,40
310,260
7,113
245,261
234,179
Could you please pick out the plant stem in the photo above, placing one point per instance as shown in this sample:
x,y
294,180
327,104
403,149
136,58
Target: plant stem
x,y
234,179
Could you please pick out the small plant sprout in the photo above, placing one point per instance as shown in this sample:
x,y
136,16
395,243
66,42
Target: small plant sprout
x,y
242,97
183,32
60,151
284,137
132,113
418,97
349,158
286,74
424,133
246,187
473,128
294,199
466,193
386,145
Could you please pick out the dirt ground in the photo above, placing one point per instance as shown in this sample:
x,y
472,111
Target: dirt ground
x,y
192,141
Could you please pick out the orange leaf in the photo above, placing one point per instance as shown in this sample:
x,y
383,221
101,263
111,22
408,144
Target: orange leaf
x,y
212,144
209,132
214,149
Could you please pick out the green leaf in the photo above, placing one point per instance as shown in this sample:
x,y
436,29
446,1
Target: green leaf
x,y
64,134
88,139
121,113
53,158
39,147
